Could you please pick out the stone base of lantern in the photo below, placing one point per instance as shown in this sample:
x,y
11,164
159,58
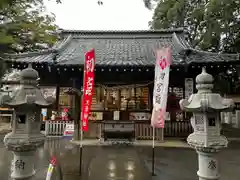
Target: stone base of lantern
x,y
23,165
208,166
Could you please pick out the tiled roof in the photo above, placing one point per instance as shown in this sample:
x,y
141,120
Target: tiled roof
x,y
203,56
121,48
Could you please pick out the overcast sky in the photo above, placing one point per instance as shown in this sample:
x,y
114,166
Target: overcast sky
x,y
112,15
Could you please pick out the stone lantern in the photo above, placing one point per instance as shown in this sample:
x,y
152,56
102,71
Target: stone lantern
x,y
27,102
206,138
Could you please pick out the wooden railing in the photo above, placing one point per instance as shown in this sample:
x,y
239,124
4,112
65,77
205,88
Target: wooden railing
x,y
182,129
177,128
143,129
55,128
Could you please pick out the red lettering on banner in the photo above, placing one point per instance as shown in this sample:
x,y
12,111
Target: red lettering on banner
x,y
89,86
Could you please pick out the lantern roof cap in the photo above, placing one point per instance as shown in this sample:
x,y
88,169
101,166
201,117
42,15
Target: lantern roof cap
x,y
204,77
28,92
204,100
29,73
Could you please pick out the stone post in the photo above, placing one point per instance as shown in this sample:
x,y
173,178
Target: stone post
x,y
27,102
23,164
208,165
237,118
228,119
206,121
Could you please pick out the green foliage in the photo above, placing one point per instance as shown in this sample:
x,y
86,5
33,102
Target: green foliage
x,y
222,84
213,25
25,26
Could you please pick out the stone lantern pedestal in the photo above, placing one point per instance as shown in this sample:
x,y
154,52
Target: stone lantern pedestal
x,y
206,122
208,165
23,166
27,102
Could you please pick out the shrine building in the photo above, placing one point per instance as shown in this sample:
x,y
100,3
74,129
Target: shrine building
x,y
124,75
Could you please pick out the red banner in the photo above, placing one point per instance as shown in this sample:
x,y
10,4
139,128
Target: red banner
x,y
88,86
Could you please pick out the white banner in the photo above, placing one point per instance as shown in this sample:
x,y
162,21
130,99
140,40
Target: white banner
x,y
188,87
161,82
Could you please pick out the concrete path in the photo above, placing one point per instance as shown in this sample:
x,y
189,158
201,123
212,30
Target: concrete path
x,y
117,164
166,143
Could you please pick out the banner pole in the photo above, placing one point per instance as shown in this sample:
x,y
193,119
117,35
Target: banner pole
x,y
81,139
80,151
86,99
153,152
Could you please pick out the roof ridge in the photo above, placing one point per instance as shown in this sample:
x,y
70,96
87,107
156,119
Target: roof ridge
x,y
27,54
181,44
174,36
213,53
54,49
187,47
63,43
169,30
118,36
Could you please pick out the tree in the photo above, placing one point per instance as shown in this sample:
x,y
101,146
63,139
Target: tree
x,y
25,26
213,25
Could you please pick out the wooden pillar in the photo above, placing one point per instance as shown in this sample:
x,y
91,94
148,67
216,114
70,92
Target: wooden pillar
x,y
135,97
119,99
73,97
57,76
107,99
184,88
150,95
77,114
76,102
57,97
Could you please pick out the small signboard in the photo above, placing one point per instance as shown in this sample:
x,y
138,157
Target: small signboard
x,y
69,130
44,112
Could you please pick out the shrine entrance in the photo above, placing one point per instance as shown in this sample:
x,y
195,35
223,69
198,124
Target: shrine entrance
x,y
119,131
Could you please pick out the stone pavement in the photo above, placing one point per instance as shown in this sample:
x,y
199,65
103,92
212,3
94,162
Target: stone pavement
x,y
182,164
117,163
167,143
128,163
67,155
5,128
